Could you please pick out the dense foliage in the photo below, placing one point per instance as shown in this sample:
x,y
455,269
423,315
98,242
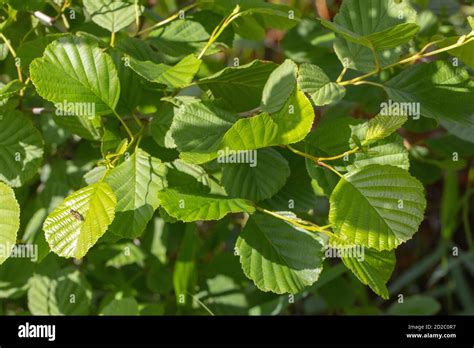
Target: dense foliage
x,y
235,157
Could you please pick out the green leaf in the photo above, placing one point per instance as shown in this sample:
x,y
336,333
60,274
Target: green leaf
x,y
188,206
382,126
75,70
179,39
271,15
389,151
377,206
206,130
113,15
185,272
9,221
32,5
374,269
112,142
389,38
52,294
87,127
415,305
124,254
346,33
137,48
465,53
239,88
9,90
21,148
314,81
260,182
462,128
199,127
393,37
335,136
441,90
297,194
363,18
136,183
278,257
80,220
14,276
30,50
279,86
123,306
450,204
160,126
289,125
177,76
135,93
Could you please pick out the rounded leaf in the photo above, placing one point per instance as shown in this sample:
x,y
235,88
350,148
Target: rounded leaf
x,y
9,221
377,206
279,257
76,72
21,148
258,182
136,183
81,219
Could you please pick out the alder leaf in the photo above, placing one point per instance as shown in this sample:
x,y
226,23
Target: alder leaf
x,y
239,88
124,306
289,125
279,86
9,221
278,257
322,90
80,220
177,76
136,183
113,15
21,148
373,268
258,182
364,18
74,69
51,294
192,206
441,91
377,206
199,127
379,127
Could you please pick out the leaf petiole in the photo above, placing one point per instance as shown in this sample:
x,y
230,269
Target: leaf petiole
x,y
306,225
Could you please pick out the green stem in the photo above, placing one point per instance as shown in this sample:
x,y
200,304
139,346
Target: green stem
x,y
167,20
129,132
332,169
306,225
220,29
341,75
319,160
112,39
368,83
302,154
347,153
415,57
13,53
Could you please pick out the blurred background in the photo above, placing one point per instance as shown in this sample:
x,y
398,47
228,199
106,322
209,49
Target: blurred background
x,y
434,273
